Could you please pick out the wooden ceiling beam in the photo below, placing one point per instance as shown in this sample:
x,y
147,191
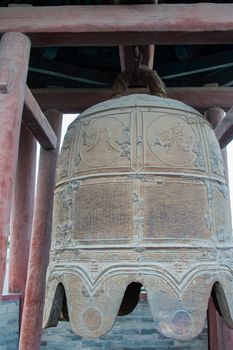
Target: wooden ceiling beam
x,y
35,120
114,25
77,100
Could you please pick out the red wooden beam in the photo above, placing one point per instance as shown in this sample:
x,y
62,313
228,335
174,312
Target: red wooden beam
x,y
77,100
213,319
22,213
200,23
11,297
37,123
31,327
14,56
224,131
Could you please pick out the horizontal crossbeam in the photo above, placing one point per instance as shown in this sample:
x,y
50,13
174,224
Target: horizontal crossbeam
x,y
77,100
201,23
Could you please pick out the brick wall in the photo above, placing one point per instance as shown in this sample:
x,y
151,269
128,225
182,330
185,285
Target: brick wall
x,y
9,323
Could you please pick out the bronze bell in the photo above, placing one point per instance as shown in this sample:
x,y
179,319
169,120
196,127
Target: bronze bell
x,y
140,199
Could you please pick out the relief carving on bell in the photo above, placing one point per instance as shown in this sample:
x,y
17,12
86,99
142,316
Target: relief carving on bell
x,y
140,199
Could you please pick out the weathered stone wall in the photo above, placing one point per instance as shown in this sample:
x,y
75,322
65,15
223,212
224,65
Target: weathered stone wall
x,y
135,331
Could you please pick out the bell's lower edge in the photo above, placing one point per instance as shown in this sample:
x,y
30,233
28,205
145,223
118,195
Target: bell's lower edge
x,y
179,310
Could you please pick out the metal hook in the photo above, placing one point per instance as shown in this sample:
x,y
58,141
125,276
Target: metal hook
x,y
138,57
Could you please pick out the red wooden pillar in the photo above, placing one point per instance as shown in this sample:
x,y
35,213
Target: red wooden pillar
x,y
31,328
14,56
220,336
213,327
21,220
